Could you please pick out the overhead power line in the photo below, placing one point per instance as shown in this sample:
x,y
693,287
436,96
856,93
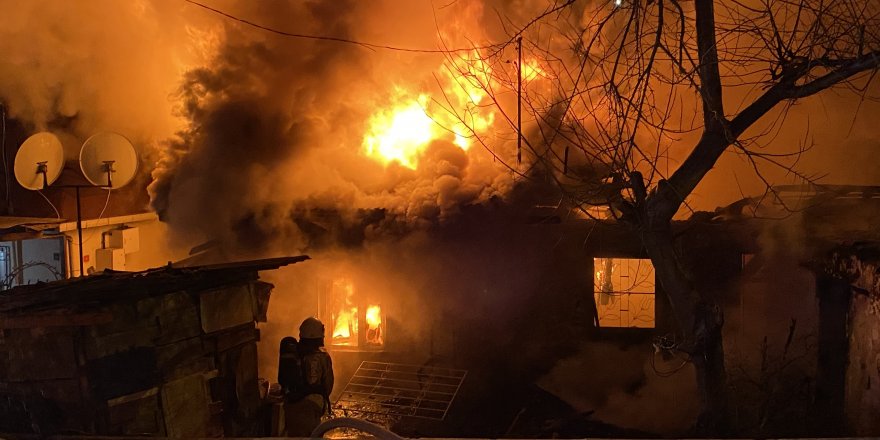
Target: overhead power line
x,y
370,46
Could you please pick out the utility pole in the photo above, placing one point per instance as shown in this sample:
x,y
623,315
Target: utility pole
x,y
519,100
8,210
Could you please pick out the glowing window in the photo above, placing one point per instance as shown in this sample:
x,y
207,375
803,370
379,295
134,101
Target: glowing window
x,y
624,292
343,314
354,322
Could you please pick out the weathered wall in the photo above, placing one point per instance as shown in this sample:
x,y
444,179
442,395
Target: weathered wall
x,y
182,364
863,372
157,246
509,302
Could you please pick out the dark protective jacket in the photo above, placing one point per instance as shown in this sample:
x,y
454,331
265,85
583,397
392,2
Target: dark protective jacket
x,y
318,374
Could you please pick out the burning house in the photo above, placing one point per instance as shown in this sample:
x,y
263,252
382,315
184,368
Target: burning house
x,y
488,333
413,150
569,316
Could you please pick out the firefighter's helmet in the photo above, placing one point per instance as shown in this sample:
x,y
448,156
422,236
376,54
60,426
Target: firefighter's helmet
x,y
311,328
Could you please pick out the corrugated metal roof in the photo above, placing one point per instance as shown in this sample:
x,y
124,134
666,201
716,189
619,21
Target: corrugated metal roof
x,y
37,223
111,286
23,228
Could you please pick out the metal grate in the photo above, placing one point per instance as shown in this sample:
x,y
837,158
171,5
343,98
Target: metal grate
x,y
400,390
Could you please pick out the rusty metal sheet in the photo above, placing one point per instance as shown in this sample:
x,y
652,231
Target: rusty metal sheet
x,y
37,354
185,406
55,320
226,308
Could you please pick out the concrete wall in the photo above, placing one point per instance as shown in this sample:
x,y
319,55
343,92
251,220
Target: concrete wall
x,y
33,261
156,248
49,252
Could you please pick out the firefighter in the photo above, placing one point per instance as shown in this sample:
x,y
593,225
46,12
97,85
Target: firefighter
x,y
305,406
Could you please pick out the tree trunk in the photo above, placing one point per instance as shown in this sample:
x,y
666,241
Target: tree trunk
x,y
700,320
833,352
708,360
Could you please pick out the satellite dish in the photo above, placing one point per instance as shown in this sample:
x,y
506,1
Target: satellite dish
x,y
39,161
108,160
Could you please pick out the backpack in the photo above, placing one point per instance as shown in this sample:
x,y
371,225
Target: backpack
x,y
290,370
292,373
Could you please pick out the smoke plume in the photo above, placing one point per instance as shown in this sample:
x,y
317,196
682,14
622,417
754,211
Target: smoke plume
x,y
272,151
81,67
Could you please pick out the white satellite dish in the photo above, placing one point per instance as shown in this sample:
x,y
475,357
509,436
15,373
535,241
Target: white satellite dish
x,y
39,161
108,160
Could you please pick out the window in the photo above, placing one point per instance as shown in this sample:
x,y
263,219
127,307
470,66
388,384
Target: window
x,y
624,292
353,322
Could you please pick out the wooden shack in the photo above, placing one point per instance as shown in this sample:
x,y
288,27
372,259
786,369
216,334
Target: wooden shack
x,y
165,352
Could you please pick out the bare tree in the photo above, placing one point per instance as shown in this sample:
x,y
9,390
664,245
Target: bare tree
x,y
623,81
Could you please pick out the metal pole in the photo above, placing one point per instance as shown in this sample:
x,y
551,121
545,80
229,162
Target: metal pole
x,y
79,231
519,101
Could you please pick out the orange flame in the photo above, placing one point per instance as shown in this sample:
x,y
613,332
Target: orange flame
x,y
345,318
374,316
401,132
531,70
374,325
346,323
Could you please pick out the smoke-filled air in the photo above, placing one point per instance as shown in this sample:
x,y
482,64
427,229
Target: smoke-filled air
x,y
275,120
284,134
413,149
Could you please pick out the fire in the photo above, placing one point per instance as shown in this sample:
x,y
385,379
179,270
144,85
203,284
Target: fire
x,y
374,316
345,315
402,131
531,70
374,325
457,113
352,323
346,323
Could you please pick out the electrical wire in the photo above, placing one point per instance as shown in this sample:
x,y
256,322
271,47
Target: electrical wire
x,y
667,344
106,203
667,373
370,46
100,216
57,214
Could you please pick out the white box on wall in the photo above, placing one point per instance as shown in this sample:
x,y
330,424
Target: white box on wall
x,y
127,239
110,258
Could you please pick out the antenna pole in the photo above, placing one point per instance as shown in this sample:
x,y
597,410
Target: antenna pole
x,y
79,231
42,169
108,166
519,100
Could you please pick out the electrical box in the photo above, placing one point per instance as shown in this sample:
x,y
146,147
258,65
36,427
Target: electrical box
x,y
110,258
127,239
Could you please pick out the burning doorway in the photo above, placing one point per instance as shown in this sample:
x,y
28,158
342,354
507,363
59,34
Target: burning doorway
x,y
356,322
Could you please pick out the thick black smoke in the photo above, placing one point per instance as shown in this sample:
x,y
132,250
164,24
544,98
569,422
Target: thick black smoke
x,y
271,156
